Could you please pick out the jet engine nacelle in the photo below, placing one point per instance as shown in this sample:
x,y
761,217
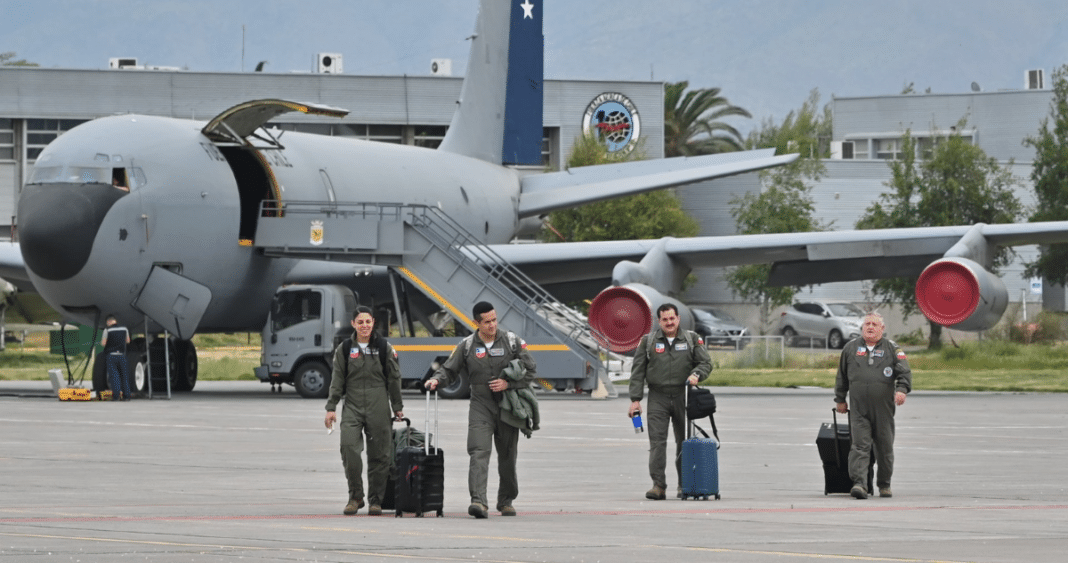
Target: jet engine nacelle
x,y
960,294
621,315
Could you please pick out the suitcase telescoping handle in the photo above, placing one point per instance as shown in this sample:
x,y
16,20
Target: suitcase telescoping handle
x,y
426,441
834,419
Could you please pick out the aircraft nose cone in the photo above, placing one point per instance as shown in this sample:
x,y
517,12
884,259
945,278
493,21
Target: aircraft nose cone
x,y
57,224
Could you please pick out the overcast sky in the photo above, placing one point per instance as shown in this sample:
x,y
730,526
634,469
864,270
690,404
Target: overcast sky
x,y
766,55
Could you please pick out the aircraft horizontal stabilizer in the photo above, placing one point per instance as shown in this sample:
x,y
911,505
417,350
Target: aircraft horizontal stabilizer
x,y
560,190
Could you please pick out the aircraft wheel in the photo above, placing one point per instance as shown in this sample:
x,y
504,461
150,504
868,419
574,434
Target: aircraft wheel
x,y
137,366
789,335
185,353
460,389
312,380
835,340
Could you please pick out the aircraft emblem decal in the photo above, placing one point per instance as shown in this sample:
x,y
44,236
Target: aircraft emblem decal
x,y
317,233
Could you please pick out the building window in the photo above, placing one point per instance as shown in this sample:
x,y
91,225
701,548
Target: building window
x,y
547,147
385,133
7,139
887,149
429,136
40,132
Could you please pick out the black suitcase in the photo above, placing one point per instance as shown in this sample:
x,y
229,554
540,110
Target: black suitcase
x,y
402,437
833,443
419,483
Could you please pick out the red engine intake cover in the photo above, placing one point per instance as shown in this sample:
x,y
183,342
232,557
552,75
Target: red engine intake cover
x,y
947,292
620,316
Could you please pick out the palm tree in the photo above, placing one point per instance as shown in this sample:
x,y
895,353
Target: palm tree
x,y
691,125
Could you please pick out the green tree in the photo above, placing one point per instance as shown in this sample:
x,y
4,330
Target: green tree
x,y
1050,177
8,59
784,204
806,131
957,184
692,123
649,215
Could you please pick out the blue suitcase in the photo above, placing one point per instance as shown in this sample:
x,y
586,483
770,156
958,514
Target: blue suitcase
x,y
700,467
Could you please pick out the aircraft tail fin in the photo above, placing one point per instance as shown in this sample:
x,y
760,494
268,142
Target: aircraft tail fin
x,y
498,118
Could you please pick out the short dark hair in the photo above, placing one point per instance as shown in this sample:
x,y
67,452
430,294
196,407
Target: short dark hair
x,y
110,318
480,308
362,309
666,307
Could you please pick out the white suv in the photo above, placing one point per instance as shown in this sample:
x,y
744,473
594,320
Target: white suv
x,y
837,323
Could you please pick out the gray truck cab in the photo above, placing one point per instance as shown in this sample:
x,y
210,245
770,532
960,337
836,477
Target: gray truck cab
x,y
306,323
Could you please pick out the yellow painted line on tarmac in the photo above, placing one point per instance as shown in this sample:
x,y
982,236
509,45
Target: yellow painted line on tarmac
x,y
148,542
422,534
817,555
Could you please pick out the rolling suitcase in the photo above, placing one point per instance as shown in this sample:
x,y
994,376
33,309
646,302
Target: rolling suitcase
x,y
700,464
402,437
419,482
833,443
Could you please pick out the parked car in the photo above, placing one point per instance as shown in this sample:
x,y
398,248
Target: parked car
x,y
719,328
836,323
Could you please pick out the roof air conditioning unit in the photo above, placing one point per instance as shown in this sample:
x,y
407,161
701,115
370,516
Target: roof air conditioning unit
x,y
1035,79
329,63
122,62
441,67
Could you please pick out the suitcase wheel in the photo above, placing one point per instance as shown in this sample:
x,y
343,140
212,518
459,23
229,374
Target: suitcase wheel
x,y
717,496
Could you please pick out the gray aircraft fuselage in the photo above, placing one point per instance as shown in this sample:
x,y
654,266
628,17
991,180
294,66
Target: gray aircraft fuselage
x,y
89,247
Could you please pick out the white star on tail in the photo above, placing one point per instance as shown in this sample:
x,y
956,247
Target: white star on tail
x,y
528,9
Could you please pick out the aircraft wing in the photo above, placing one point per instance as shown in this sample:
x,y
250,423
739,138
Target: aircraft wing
x,y
799,258
542,193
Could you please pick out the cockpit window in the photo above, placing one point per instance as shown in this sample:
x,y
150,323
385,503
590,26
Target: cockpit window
x,y
70,175
131,177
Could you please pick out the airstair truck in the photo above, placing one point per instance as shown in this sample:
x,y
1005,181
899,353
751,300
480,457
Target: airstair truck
x,y
307,322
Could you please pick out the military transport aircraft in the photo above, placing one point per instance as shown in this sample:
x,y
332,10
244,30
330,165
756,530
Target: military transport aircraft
x,y
191,194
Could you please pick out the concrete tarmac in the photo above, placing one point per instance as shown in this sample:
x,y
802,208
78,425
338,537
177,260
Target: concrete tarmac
x,y
233,472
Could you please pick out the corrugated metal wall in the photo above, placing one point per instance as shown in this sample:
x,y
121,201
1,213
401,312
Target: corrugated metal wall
x,y
1001,119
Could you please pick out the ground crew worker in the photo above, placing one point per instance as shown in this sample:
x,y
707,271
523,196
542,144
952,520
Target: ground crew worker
x,y
668,360
483,356
875,373
366,374
116,337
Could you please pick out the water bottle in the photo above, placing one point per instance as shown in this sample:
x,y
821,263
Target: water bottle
x,y
637,421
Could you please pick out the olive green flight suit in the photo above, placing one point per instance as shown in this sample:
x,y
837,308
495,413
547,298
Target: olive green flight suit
x,y
665,368
871,378
357,377
484,425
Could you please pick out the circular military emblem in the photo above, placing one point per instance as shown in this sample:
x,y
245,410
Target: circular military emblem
x,y
888,371
614,118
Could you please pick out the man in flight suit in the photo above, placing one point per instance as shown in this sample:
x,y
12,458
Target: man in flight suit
x,y
483,356
369,386
668,360
875,373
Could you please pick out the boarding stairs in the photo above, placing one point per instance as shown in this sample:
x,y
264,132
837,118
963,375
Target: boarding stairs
x,y
437,256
